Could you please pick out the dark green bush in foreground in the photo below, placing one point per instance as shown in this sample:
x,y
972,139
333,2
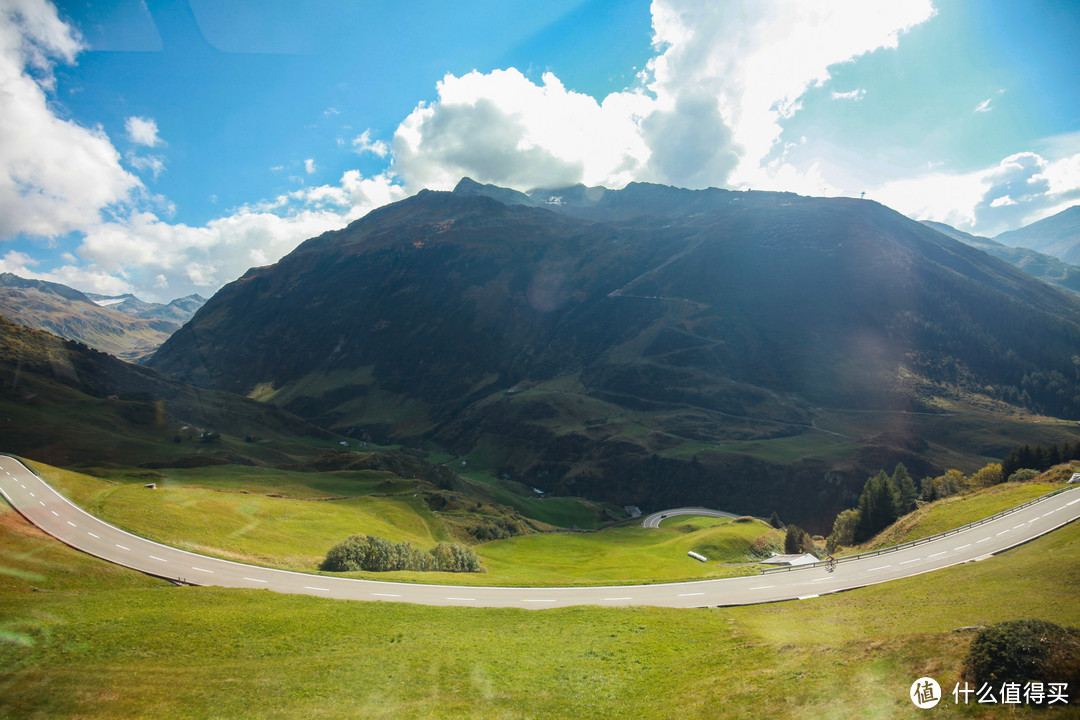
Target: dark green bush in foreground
x,y
1025,651
376,554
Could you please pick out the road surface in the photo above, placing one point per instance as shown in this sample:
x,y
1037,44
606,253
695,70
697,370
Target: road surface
x,y
54,514
654,520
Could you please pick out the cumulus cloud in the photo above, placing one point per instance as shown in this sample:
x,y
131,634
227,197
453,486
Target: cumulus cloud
x,y
142,131
309,166
166,260
503,128
707,112
1019,190
56,176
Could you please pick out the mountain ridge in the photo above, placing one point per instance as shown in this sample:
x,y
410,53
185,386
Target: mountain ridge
x,y
1057,235
564,344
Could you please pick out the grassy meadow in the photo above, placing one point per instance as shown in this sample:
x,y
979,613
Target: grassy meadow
x,y
289,520
82,638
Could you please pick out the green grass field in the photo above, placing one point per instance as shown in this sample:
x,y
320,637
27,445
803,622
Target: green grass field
x,y
290,519
82,638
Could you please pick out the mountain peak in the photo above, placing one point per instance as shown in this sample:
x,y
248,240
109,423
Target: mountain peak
x,y
468,186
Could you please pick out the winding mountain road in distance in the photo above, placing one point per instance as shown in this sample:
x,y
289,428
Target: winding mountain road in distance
x,y
54,514
654,520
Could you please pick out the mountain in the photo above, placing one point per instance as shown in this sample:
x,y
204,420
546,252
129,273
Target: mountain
x,y
63,402
1045,267
1057,235
71,314
178,311
649,346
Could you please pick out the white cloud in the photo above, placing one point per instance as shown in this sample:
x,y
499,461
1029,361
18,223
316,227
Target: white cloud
x,y
309,166
1019,190
852,95
56,176
985,105
142,131
155,164
503,128
363,143
708,111
757,59
163,260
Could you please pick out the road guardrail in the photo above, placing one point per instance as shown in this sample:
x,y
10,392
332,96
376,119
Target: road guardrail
x,y
920,541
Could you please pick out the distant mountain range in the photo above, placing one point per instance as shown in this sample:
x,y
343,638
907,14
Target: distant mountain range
x,y
637,345
1057,235
123,326
1045,267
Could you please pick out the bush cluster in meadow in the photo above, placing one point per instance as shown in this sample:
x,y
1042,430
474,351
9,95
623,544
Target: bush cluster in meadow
x,y
376,554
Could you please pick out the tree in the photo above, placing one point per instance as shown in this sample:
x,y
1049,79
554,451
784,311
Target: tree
x,y
989,475
877,506
774,520
795,540
904,487
843,530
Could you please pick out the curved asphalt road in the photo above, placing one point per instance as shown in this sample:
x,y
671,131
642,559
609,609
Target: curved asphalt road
x,y
654,520
54,514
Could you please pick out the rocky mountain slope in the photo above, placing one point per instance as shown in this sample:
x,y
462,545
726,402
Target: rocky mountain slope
x,y
178,311
608,343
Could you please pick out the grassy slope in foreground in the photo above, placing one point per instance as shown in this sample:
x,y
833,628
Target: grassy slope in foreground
x,y
232,512
82,638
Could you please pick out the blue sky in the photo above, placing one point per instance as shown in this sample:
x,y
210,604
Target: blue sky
x,y
163,147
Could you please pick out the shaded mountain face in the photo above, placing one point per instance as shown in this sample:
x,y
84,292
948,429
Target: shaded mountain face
x,y
1057,235
571,337
74,315
63,402
1040,265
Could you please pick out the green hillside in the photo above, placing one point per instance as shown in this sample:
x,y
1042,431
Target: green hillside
x,y
81,638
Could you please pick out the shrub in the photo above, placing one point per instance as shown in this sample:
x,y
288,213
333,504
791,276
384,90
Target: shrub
x,y
376,554
451,557
1024,651
1023,475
